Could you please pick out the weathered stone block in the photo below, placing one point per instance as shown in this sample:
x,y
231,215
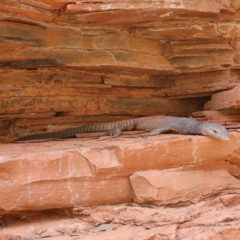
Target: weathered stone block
x,y
178,187
229,99
87,172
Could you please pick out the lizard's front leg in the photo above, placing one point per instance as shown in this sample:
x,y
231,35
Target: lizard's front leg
x,y
159,130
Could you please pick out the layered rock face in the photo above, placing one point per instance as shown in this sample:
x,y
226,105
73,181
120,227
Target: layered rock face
x,y
68,63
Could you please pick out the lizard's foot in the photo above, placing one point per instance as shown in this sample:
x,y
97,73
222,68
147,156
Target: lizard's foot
x,y
114,132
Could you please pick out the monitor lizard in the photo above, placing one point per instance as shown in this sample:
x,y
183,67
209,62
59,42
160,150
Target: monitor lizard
x,y
154,124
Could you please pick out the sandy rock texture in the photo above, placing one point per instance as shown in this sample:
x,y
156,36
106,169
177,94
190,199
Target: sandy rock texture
x,y
172,187
217,218
66,63
88,172
69,63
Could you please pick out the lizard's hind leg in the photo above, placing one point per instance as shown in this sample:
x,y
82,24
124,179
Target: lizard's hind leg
x,y
121,126
114,132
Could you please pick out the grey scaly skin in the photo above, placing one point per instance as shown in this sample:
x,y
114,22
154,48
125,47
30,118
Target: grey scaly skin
x,y
154,124
113,128
181,125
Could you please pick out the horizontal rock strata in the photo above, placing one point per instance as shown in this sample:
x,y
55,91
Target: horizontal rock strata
x,y
211,219
87,172
66,63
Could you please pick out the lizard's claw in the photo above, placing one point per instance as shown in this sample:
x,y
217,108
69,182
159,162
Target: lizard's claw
x,y
114,132
151,133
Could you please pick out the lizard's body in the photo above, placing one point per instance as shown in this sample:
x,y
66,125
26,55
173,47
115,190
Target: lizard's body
x,y
154,124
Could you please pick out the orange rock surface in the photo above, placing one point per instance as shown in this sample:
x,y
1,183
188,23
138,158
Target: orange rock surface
x,y
211,219
63,174
66,63
224,100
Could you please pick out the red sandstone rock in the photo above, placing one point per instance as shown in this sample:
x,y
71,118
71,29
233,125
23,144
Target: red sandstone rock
x,y
224,100
179,187
234,164
156,56
87,172
65,63
211,219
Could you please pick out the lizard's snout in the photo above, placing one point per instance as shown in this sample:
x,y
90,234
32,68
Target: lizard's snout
x,y
216,131
227,137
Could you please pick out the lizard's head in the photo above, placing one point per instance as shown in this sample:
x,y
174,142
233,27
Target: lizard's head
x,y
214,130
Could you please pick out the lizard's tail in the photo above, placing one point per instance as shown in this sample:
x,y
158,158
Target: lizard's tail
x,y
98,127
113,128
